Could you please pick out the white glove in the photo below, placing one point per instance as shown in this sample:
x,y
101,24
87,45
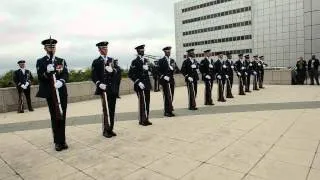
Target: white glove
x,y
167,78
141,85
246,73
58,84
210,66
146,67
190,79
224,66
219,77
23,86
255,73
250,64
232,67
243,68
259,64
227,76
27,84
193,66
109,69
102,86
208,77
50,68
239,74
171,68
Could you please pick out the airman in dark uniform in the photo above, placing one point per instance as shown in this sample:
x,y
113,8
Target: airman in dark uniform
x,y
104,75
313,69
262,65
229,74
220,69
247,73
118,76
53,74
167,69
22,78
240,70
156,76
189,70
255,72
301,70
207,71
139,74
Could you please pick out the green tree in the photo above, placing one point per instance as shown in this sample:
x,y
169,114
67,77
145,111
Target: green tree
x,y
7,80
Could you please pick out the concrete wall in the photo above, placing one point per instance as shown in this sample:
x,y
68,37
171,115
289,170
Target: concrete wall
x,y
83,91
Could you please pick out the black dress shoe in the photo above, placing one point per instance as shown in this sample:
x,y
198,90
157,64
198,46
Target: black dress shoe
x,y
168,114
230,97
58,147
20,111
65,146
172,115
143,124
222,100
210,104
31,110
113,133
193,109
148,123
118,97
107,135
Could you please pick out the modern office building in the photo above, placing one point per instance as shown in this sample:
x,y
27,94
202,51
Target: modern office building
x,y
281,30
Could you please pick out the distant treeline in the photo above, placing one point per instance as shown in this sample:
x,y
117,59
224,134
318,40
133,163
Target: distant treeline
x,y
6,80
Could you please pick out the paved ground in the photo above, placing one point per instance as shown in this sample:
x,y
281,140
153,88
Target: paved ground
x,y
273,134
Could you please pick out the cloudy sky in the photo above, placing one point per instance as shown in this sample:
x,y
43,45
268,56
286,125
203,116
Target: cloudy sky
x,y
79,24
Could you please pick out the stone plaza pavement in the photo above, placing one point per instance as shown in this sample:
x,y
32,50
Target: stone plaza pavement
x,y
271,134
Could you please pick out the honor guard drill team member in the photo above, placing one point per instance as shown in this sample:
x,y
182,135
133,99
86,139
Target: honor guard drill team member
x,y
301,70
156,76
118,76
104,75
255,72
22,78
189,71
53,74
207,71
167,68
139,74
220,76
313,68
248,72
229,74
262,65
240,70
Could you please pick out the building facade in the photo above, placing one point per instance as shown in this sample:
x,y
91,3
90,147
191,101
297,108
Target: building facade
x,y
273,28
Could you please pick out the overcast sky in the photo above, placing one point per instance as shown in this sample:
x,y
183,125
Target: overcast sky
x,y
79,24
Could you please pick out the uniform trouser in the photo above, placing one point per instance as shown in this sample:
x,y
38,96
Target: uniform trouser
x,y
144,103
168,93
156,84
262,76
27,95
247,82
314,75
242,80
118,88
208,92
108,112
221,84
58,125
192,93
231,79
255,82
301,77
